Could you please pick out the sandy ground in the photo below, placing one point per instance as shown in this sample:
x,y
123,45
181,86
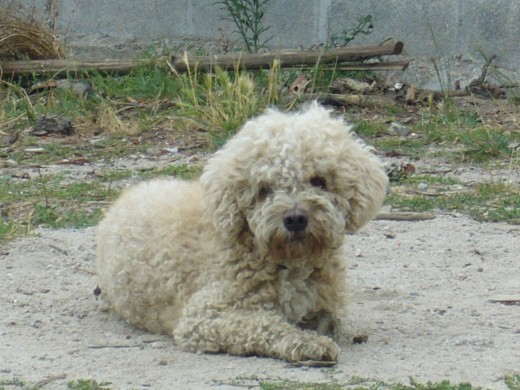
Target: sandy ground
x,y
423,292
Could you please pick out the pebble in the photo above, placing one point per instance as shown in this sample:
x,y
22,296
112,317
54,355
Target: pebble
x,y
397,128
422,186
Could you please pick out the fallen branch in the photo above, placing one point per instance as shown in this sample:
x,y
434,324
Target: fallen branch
x,y
114,346
65,67
48,380
334,99
208,63
288,58
506,300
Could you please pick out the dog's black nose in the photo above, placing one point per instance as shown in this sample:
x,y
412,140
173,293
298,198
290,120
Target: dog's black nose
x,y
295,220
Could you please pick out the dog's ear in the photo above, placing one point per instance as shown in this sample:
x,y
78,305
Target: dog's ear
x,y
369,189
220,182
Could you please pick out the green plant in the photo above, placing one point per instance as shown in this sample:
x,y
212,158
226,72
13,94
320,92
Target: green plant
x,y
55,201
247,17
512,382
370,129
14,383
483,144
407,146
142,82
50,201
17,97
87,384
364,26
365,385
290,385
222,101
489,202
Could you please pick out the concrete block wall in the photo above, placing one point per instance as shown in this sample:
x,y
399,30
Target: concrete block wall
x,y
453,33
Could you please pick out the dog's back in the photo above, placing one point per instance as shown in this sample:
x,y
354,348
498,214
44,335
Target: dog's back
x,y
145,254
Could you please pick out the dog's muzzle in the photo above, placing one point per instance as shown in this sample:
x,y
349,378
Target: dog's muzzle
x,y
295,220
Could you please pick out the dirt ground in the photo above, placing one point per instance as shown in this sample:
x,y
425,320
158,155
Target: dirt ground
x,y
435,299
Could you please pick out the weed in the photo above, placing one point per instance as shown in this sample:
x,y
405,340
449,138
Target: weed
x,y
364,385
109,121
370,129
143,82
429,179
489,202
364,26
247,17
484,144
55,201
17,103
512,382
223,101
187,172
406,146
8,229
443,73
288,385
87,384
50,201
14,383
446,124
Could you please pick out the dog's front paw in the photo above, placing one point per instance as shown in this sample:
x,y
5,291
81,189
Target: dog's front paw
x,y
295,348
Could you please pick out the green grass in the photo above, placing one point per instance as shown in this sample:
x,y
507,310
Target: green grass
x,y
511,382
56,202
223,101
87,384
80,384
49,201
14,383
486,202
157,99
459,133
370,129
485,144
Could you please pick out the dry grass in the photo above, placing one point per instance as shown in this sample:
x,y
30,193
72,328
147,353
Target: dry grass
x,y
23,37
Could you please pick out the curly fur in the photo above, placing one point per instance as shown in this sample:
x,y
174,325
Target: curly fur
x,y
218,264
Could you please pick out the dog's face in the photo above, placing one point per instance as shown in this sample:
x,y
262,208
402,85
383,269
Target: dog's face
x,y
296,182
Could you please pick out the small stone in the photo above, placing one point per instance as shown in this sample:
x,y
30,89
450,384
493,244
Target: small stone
x,y
53,125
422,186
397,128
389,235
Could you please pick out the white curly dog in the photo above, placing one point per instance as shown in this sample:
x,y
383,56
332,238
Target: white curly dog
x,y
248,260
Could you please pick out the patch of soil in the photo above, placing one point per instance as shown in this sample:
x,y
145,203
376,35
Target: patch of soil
x,y
425,296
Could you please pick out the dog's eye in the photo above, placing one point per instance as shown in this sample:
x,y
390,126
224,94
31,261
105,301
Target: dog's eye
x,y
264,191
319,182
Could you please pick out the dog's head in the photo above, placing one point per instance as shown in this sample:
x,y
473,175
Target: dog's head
x,y
297,182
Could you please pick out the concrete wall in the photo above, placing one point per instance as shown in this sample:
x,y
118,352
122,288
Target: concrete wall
x,y
453,32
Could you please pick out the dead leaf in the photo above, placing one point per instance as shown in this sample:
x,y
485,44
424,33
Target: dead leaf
x,y
300,84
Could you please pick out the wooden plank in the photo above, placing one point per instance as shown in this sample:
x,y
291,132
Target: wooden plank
x,y
288,58
207,63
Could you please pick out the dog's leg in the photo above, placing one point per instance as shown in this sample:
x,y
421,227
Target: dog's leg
x,y
263,333
321,322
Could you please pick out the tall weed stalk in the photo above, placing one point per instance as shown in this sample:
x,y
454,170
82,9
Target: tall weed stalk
x,y
222,101
247,16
